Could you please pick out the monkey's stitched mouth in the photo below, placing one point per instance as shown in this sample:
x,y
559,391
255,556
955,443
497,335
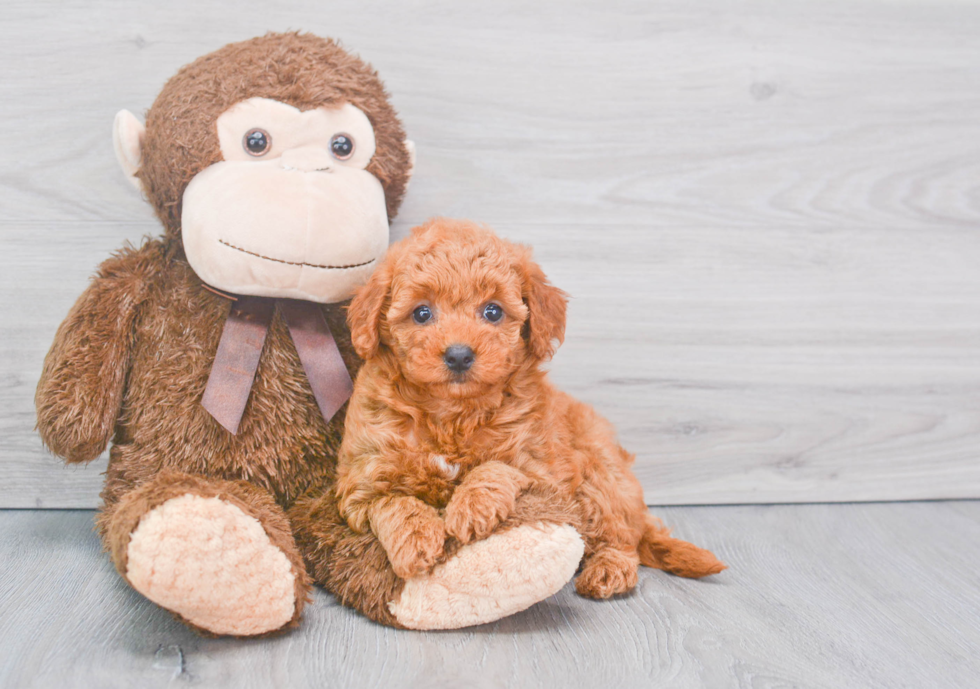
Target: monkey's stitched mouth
x,y
294,263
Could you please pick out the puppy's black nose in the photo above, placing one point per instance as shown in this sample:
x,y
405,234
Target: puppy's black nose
x,y
458,358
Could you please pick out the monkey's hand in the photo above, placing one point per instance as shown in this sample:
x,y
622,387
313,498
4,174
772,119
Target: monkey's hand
x,y
80,393
485,498
411,532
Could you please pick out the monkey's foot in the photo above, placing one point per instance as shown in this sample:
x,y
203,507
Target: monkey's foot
x,y
212,564
491,579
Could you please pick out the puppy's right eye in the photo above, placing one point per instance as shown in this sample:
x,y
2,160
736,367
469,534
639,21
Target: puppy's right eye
x,y
421,314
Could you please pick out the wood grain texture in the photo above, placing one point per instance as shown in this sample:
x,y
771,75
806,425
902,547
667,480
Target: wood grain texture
x,y
873,595
767,213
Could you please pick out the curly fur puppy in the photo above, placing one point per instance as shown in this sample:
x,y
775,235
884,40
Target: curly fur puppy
x,y
452,418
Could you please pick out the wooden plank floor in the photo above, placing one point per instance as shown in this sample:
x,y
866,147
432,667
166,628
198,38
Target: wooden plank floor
x,y
767,213
871,595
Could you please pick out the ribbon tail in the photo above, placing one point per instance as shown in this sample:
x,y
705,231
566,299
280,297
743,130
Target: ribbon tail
x,y
318,352
237,360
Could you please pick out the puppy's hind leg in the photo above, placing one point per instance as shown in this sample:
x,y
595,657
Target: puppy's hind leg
x,y
611,527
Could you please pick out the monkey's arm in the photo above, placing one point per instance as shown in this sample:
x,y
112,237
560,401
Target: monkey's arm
x,y
80,393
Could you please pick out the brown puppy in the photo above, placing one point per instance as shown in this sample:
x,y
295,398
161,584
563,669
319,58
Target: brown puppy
x,y
452,418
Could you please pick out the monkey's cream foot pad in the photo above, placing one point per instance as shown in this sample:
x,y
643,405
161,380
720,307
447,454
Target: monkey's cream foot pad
x,y
212,564
491,579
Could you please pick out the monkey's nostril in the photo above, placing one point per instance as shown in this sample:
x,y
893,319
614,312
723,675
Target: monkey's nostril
x,y
458,357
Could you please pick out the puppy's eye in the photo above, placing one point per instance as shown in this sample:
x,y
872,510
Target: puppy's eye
x,y
342,146
493,312
257,142
421,314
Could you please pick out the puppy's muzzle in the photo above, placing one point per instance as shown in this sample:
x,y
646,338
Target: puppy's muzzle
x,y
458,358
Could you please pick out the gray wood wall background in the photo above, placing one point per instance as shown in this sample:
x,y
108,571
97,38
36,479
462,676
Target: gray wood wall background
x,y
767,213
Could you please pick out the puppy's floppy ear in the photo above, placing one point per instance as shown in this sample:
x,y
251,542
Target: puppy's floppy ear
x,y
546,305
364,312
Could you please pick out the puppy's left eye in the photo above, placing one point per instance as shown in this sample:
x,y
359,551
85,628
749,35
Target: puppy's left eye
x,y
493,312
421,314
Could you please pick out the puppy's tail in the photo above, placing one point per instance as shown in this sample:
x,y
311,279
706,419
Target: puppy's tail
x,y
660,550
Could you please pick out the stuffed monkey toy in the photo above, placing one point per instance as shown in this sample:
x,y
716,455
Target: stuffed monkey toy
x,y
217,361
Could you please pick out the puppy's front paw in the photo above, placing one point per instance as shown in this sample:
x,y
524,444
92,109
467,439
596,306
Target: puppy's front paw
x,y
472,515
417,548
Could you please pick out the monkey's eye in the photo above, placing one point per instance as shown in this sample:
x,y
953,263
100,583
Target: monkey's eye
x,y
342,146
421,314
257,142
493,312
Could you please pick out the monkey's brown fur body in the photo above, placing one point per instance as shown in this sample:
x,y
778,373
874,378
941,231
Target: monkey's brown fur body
x,y
131,361
431,451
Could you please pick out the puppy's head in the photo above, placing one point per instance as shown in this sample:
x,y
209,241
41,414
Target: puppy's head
x,y
459,309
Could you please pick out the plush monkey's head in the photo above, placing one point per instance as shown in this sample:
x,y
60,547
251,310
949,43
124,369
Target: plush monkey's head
x,y
277,162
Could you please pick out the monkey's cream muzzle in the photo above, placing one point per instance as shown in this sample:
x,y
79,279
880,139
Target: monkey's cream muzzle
x,y
318,240
295,221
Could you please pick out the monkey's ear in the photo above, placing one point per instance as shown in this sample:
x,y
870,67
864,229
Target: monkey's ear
x,y
410,147
127,140
364,312
544,329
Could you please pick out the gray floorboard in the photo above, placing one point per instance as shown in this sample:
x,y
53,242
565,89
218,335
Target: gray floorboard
x,y
872,595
